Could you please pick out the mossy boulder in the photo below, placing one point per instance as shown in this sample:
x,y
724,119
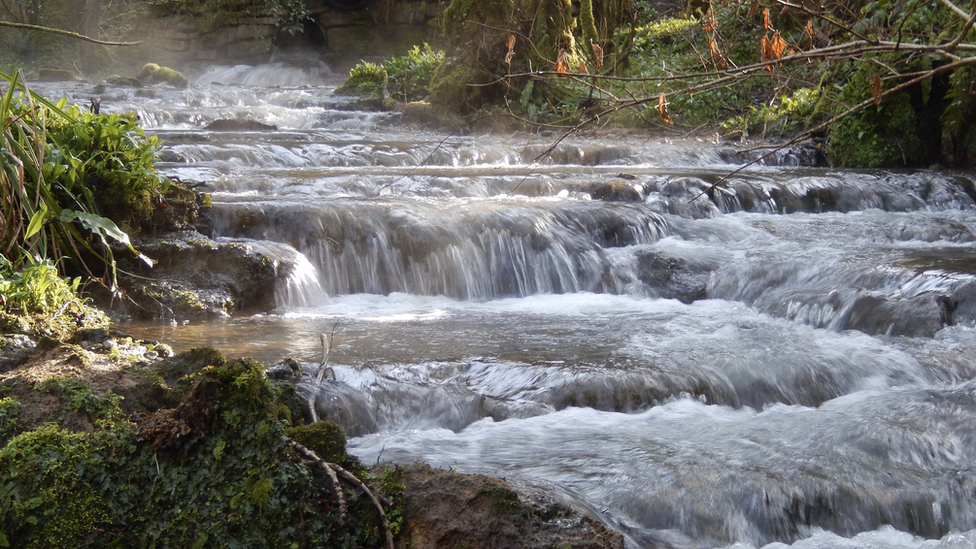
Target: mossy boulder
x,y
196,277
155,74
214,471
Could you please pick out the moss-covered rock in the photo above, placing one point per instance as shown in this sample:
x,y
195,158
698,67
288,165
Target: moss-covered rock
x,y
155,74
214,471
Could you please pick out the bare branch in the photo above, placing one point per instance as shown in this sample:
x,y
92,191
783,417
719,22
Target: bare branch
x,y
955,9
65,33
823,126
335,471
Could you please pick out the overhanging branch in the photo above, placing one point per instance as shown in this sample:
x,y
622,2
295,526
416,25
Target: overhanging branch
x,y
66,33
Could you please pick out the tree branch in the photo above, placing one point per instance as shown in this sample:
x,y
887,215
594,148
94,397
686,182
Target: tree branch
x,y
65,33
955,9
334,471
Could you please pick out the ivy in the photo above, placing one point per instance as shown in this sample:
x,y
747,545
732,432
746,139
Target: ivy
x,y
230,481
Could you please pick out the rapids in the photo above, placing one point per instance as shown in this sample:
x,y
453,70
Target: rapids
x,y
788,360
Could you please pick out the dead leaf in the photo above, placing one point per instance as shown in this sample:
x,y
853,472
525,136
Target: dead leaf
x,y
778,45
876,89
709,24
717,56
582,68
562,62
511,50
767,24
662,107
767,52
810,28
598,53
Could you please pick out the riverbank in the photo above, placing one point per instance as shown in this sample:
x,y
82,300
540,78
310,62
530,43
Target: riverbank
x,y
72,401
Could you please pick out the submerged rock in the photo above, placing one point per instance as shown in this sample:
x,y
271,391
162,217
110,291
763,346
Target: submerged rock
x,y
672,277
238,125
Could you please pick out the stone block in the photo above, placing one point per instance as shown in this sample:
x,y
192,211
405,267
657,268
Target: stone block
x,y
331,19
251,32
251,48
205,55
174,45
223,36
178,34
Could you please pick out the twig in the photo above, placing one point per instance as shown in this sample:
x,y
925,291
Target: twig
x,y
326,349
335,471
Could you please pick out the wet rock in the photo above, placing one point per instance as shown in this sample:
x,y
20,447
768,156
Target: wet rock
x,y
919,316
238,125
195,277
288,369
55,75
155,74
445,509
123,81
671,277
616,191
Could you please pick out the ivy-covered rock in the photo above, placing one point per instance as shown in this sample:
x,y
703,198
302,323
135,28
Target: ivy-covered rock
x,y
215,471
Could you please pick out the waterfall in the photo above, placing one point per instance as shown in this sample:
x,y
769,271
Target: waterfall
x,y
694,354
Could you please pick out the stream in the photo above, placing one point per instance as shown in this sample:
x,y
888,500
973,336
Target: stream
x,y
788,360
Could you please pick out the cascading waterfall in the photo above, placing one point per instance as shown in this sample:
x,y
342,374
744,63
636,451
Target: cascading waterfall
x,y
784,359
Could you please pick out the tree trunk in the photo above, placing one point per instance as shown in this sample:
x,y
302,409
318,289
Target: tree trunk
x,y
90,21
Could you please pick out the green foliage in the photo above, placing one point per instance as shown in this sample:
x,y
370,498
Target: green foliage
x,y
880,135
230,482
394,489
875,137
37,299
69,178
8,420
327,439
405,78
365,80
35,288
409,75
289,15
77,397
788,114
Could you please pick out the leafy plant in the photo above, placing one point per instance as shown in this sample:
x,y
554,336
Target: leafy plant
x,y
65,174
789,113
37,299
36,288
289,15
403,78
410,74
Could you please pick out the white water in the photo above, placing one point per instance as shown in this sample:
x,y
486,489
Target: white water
x,y
520,317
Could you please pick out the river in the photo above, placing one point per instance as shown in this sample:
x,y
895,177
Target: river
x,y
786,361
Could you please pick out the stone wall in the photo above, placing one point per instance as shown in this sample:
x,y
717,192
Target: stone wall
x,y
341,38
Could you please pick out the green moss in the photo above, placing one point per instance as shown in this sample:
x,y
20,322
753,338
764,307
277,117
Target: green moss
x,y
189,362
449,88
153,73
76,396
213,472
9,426
325,438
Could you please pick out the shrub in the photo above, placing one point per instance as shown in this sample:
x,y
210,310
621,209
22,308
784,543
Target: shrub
x,y
406,78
